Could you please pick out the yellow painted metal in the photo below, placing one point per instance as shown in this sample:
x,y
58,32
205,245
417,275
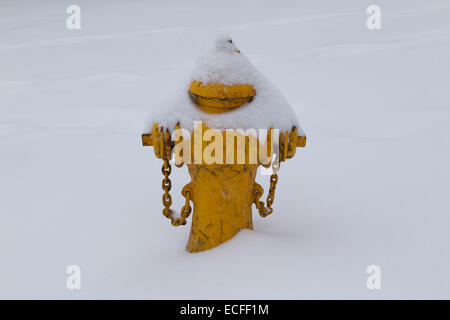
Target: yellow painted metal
x,y
221,91
222,194
218,98
223,197
301,141
147,139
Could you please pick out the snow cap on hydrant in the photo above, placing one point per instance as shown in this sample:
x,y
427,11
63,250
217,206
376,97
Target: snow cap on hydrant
x,y
225,91
224,43
223,65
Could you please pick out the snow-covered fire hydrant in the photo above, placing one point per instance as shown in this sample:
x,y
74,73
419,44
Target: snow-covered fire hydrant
x,y
213,128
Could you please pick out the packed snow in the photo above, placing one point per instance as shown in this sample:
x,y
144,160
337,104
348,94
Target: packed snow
x,y
371,187
225,64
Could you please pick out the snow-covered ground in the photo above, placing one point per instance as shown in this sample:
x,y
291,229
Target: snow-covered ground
x,y
371,188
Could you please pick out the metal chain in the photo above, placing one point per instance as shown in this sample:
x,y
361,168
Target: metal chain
x,y
167,198
263,210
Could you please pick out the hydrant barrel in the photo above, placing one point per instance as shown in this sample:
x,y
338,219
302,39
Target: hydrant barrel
x,y
223,197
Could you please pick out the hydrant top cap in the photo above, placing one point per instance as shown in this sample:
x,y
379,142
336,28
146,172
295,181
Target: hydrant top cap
x,y
220,91
218,98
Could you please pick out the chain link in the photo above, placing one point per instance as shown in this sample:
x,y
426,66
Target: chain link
x,y
167,198
263,210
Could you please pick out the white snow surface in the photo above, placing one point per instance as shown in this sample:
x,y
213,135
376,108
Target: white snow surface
x,y
224,65
371,187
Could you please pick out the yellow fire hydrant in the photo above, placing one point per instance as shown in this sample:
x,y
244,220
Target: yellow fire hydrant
x,y
222,167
